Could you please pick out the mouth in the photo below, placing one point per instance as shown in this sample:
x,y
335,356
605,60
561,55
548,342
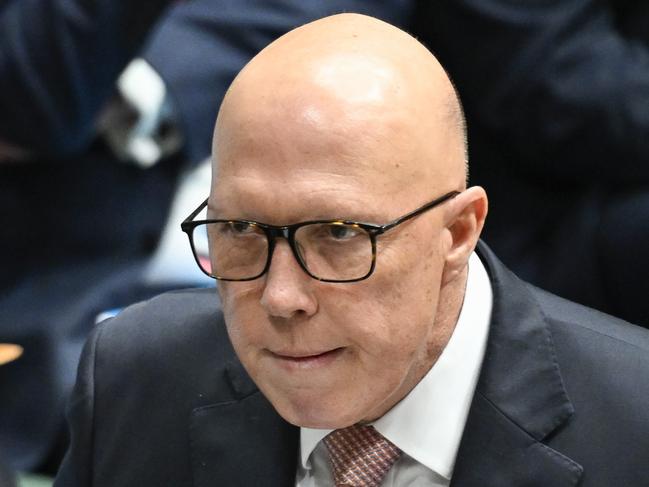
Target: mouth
x,y
306,360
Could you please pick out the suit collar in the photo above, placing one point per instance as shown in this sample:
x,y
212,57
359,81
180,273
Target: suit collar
x,y
520,398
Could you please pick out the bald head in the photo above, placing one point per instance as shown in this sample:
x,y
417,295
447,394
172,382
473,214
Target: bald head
x,y
351,77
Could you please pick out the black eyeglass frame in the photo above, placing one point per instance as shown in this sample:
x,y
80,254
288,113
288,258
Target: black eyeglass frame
x,y
272,232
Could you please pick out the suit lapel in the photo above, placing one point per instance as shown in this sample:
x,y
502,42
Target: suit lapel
x,y
495,452
242,442
520,398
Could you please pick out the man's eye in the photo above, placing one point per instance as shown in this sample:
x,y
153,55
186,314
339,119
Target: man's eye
x,y
342,232
239,228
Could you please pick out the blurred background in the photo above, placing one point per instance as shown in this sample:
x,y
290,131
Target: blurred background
x,y
106,116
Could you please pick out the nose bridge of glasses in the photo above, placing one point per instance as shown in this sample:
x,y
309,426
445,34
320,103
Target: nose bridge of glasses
x,y
275,232
288,233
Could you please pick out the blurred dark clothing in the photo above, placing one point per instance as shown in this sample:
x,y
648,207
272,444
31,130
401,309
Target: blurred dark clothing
x,y
57,211
557,103
78,225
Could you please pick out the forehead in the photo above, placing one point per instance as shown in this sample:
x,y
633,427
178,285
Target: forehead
x,y
280,193
316,168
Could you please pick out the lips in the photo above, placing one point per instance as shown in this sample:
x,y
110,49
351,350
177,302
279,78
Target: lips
x,y
294,359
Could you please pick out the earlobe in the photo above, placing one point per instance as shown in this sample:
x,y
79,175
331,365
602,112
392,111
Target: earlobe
x,y
467,217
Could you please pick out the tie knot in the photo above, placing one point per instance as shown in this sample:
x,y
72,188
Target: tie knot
x,y
360,456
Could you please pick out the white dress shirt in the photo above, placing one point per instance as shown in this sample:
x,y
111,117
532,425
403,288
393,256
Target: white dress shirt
x,y
427,425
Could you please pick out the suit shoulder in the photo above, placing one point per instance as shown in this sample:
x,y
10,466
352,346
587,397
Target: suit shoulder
x,y
174,340
603,363
168,319
570,317
143,375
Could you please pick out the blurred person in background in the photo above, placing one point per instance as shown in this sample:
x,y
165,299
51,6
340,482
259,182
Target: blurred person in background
x,y
557,102
82,199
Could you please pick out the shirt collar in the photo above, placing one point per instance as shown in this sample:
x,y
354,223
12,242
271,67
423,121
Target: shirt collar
x,y
428,423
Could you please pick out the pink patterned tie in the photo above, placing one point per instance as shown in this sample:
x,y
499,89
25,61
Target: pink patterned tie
x,y
360,456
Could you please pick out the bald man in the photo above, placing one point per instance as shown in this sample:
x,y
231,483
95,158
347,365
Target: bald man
x,y
363,335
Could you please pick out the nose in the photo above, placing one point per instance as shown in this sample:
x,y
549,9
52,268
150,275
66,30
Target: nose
x,y
288,290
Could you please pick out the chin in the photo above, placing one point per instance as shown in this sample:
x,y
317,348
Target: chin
x,y
317,421
317,413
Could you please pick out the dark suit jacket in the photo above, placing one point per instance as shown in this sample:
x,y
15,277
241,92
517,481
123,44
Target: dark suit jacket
x,y
161,400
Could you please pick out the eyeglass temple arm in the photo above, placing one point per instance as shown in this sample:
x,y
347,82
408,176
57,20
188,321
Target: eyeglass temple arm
x,y
418,211
193,214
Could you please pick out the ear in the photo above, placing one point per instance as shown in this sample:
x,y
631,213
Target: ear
x,y
466,216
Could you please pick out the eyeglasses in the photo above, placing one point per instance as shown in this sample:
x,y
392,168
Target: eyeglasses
x,y
327,250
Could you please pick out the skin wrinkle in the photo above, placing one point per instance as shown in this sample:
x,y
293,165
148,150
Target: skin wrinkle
x,y
300,136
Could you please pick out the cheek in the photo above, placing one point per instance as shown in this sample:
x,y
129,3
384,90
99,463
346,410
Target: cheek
x,y
399,304
236,297
409,272
241,310
388,317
